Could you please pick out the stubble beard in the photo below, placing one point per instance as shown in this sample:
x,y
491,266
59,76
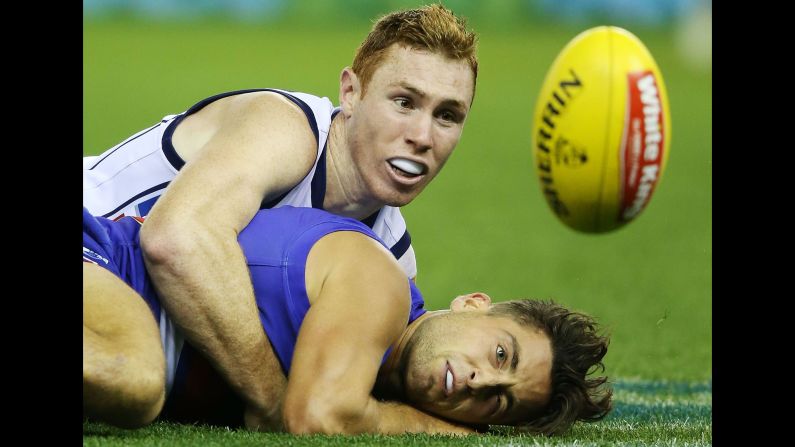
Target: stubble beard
x,y
417,360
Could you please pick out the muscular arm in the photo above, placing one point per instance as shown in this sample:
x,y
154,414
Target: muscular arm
x,y
360,305
259,147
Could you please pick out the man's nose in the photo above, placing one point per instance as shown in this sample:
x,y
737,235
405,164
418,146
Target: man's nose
x,y
482,380
420,132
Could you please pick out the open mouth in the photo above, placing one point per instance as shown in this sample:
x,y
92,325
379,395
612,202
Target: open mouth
x,y
448,381
407,168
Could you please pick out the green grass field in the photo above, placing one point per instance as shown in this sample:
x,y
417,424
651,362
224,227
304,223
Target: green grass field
x,y
647,413
483,223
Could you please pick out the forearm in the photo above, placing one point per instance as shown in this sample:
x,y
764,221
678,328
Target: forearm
x,y
377,417
341,344
396,418
205,288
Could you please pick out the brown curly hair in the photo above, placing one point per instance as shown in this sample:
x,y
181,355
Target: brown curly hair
x,y
577,352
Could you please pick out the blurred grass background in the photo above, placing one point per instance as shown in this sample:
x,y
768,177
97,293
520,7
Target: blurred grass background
x,y
483,224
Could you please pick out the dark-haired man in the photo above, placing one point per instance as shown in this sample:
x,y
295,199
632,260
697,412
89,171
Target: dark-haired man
x,y
350,331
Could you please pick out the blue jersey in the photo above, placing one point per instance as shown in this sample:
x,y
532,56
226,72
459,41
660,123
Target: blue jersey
x,y
276,244
115,246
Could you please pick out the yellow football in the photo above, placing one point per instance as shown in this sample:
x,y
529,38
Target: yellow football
x,y
601,130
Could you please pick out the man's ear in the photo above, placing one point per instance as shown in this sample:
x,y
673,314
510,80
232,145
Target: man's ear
x,y
471,301
350,91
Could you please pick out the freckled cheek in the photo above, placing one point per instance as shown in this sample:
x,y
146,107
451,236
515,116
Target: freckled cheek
x,y
387,127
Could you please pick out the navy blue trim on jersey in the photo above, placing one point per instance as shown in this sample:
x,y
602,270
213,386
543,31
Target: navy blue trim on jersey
x,y
168,147
370,220
319,180
268,205
136,197
122,144
401,246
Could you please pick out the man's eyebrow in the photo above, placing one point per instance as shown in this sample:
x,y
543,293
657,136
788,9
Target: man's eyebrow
x,y
514,363
515,359
412,89
447,102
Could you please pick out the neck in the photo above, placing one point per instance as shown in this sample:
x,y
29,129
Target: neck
x,y
389,383
346,193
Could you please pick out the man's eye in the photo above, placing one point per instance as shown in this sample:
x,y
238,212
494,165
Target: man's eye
x,y
500,354
403,103
449,117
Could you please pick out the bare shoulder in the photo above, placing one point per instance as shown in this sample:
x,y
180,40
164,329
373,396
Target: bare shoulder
x,y
264,118
254,145
348,265
259,105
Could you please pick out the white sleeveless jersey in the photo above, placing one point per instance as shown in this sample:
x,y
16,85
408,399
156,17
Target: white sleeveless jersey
x,y
128,178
